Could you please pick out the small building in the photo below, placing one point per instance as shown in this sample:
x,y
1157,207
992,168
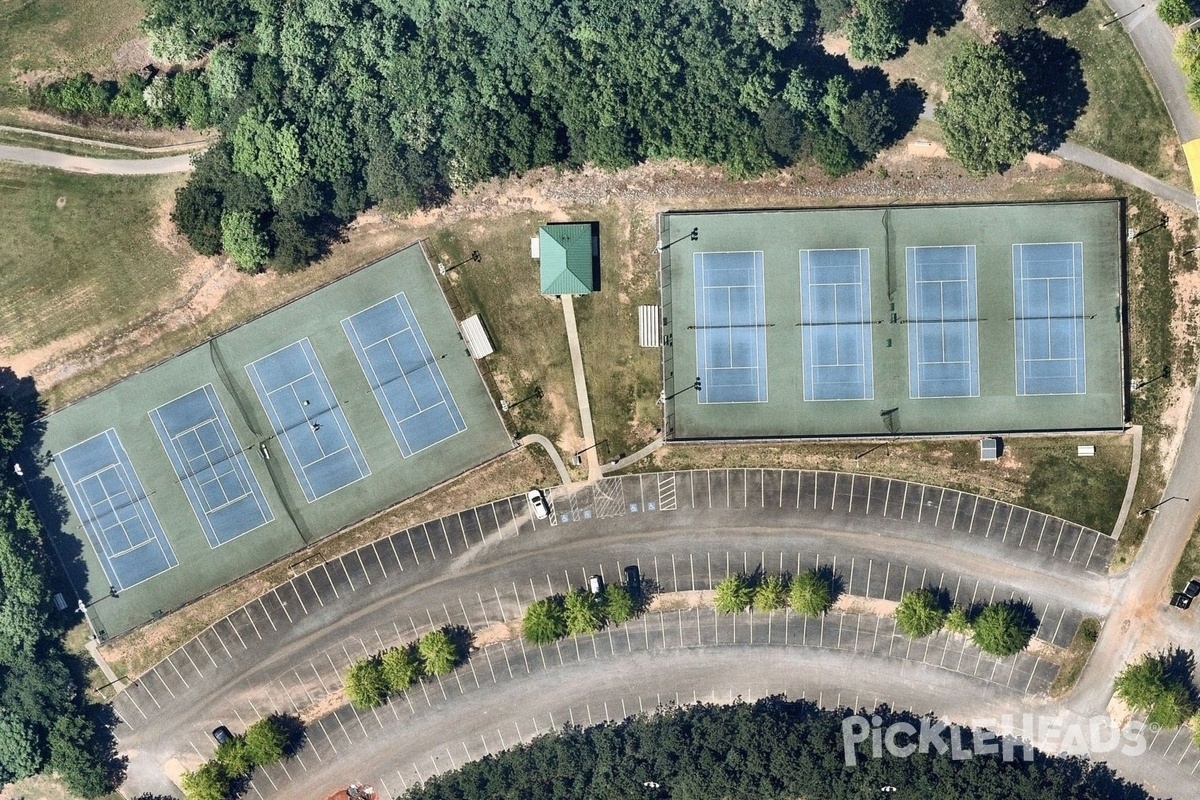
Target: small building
x,y
569,253
989,448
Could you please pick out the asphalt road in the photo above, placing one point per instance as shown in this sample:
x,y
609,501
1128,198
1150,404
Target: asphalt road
x,y
287,650
1155,42
96,166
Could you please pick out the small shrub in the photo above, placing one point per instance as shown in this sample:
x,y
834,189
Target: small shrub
x,y
266,741
401,667
733,594
770,594
236,756
958,621
366,686
582,611
1003,629
1175,12
438,652
618,604
544,621
811,594
209,781
1089,630
919,614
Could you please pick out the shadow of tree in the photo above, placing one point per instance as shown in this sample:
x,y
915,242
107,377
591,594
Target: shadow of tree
x,y
924,17
1054,91
293,727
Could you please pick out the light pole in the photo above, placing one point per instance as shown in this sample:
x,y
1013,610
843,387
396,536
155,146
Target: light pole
x,y
1121,17
473,257
1154,508
694,235
507,406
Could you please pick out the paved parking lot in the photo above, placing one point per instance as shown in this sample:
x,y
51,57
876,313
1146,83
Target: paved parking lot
x,y
288,648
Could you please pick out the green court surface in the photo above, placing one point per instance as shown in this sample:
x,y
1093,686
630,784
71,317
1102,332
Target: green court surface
x,y
279,432
905,320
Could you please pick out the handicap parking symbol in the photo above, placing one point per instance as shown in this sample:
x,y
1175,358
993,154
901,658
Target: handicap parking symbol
x,y
566,517
587,513
633,508
650,506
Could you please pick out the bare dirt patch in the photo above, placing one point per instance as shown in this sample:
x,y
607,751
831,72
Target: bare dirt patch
x,y
1038,161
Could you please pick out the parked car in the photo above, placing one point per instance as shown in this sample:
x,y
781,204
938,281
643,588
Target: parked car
x,y
221,734
633,578
1181,600
537,504
1193,588
596,585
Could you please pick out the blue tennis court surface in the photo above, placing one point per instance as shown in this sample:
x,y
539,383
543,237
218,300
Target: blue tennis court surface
x,y
1048,309
943,322
112,506
307,419
211,466
835,301
731,334
404,375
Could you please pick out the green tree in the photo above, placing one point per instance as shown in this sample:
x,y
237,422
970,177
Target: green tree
x,y
268,149
401,667
129,102
228,74
266,741
874,29
832,14
197,214
20,751
984,121
733,594
209,781
366,687
919,614
582,611
958,621
438,653
1003,629
79,757
244,240
868,122
811,594
1176,12
235,756
1160,684
544,621
770,594
618,604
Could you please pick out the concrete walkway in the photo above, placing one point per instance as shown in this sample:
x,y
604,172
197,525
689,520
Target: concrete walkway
x,y
1124,172
97,166
551,450
633,458
196,144
585,407
1135,468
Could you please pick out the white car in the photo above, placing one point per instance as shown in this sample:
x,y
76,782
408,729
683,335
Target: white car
x,y
537,504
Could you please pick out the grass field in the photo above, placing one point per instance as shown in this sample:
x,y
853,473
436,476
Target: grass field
x,y
77,253
1035,463
61,35
1125,117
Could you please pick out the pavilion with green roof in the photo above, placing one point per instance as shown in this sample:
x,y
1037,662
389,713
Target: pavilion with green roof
x,y
570,257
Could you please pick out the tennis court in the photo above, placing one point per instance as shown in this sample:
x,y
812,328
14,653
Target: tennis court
x,y
1048,298
893,320
404,375
307,419
277,433
731,342
835,294
113,508
943,323
209,462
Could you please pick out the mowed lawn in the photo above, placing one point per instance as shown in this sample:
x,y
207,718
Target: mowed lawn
x,y
68,35
77,253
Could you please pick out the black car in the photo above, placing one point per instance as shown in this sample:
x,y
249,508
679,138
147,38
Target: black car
x,y
633,578
1181,600
1193,588
221,734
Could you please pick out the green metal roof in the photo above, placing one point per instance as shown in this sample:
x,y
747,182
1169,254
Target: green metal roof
x,y
566,256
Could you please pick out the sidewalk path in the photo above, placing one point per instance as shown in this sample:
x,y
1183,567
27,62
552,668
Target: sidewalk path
x,y
537,438
197,144
585,407
633,458
1124,172
97,166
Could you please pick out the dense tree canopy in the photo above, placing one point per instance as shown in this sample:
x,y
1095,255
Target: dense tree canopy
x,y
46,723
773,749
398,102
